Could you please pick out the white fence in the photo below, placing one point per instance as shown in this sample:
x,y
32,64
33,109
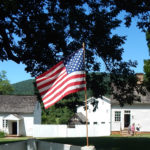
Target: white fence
x,y
64,131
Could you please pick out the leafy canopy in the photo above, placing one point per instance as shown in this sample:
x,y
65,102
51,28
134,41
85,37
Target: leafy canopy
x,y
147,63
5,86
40,33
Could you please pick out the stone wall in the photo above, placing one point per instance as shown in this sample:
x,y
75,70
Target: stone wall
x,y
34,144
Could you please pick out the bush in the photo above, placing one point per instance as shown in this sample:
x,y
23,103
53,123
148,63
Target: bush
x,y
2,134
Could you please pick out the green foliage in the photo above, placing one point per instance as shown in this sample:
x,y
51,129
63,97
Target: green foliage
x,y
5,86
147,73
49,30
147,67
103,82
148,40
55,115
24,88
2,134
147,63
63,110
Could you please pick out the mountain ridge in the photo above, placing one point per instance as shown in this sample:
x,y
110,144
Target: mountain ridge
x,y
25,87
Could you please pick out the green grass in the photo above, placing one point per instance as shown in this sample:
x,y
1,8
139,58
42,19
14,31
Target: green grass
x,y
102,143
9,140
109,143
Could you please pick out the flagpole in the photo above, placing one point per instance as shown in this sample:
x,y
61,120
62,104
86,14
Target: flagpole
x,y
85,92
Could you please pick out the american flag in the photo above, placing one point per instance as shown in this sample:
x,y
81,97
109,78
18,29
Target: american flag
x,y
66,77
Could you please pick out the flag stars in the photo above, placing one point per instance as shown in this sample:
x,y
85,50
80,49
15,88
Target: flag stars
x,y
74,62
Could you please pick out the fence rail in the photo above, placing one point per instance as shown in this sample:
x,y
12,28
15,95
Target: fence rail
x,y
64,131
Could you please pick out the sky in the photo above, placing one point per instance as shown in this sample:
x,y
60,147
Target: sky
x,y
135,48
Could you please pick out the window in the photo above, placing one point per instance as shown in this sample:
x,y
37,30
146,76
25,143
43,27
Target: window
x,y
117,115
94,122
127,111
5,123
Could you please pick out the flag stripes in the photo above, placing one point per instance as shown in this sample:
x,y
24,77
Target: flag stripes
x,y
68,91
63,86
50,71
56,83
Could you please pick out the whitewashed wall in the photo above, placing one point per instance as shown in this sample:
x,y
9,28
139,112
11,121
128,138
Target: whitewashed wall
x,y
140,114
101,115
63,131
1,123
26,125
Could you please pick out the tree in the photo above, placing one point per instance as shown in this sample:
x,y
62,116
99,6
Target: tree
x,y
40,33
147,73
61,112
147,63
57,115
5,86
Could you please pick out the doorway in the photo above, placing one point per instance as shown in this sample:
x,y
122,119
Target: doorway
x,y
14,127
126,120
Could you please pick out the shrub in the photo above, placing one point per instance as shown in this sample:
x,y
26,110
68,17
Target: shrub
x,y
2,134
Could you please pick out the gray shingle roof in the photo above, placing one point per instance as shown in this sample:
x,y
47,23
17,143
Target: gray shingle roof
x,y
144,99
17,104
81,116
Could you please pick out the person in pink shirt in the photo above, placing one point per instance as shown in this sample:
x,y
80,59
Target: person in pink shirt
x,y
133,129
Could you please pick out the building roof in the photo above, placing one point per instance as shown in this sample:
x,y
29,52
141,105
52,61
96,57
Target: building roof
x,y
81,116
17,104
13,117
144,99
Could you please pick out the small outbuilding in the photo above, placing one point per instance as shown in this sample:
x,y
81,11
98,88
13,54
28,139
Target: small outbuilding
x,y
76,119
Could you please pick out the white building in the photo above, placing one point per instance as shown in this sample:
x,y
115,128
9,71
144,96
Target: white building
x,y
99,122
138,113
18,114
98,114
118,118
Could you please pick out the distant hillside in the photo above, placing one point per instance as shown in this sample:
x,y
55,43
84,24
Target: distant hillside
x,y
27,88
24,88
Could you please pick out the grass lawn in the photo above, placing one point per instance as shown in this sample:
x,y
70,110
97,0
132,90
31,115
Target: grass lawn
x,y
109,143
102,143
8,140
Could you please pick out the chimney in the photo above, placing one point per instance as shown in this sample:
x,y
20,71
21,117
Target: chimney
x,y
140,78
